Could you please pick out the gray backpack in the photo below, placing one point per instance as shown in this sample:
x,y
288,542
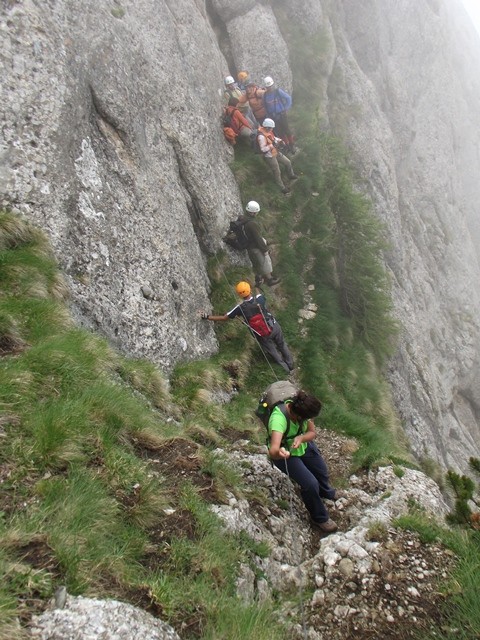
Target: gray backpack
x,y
275,396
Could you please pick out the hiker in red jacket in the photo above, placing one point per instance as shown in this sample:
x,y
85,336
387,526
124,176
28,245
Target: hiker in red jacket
x,y
263,326
234,119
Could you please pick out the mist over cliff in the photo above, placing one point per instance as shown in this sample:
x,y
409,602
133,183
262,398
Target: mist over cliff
x,y
112,144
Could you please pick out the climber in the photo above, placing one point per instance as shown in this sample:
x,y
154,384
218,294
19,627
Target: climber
x,y
263,326
277,102
254,95
233,119
232,90
257,248
243,80
292,450
269,145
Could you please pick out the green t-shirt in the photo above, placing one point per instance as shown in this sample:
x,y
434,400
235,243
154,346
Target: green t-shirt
x,y
278,422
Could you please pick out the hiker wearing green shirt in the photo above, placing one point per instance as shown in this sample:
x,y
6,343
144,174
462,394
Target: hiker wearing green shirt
x,y
292,450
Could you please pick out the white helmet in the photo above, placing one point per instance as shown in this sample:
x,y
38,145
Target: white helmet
x,y
268,123
252,207
229,80
268,81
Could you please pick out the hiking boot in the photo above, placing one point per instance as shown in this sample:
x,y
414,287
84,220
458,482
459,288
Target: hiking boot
x,y
286,190
325,527
258,281
294,177
272,281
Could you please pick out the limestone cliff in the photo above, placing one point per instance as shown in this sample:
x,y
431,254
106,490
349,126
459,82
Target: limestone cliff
x,y
111,143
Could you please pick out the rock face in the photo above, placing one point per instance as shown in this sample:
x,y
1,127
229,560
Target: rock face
x,y
111,143
409,113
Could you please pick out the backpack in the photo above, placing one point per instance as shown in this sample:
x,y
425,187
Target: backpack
x,y
227,118
236,236
275,396
256,318
230,135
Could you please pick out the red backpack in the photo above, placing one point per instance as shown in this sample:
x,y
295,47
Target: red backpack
x,y
257,318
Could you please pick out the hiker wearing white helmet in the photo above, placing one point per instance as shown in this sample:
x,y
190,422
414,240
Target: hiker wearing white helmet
x,y
257,247
277,102
270,147
232,90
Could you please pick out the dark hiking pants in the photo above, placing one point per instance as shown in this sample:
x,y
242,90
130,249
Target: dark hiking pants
x,y
276,347
311,473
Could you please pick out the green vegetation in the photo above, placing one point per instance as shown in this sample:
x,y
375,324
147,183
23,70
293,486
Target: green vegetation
x,y
463,488
90,495
462,588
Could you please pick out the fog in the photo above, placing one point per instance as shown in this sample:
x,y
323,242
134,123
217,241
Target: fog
x,y
473,9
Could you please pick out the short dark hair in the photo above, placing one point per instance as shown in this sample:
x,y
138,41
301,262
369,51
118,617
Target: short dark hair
x,y
233,102
305,406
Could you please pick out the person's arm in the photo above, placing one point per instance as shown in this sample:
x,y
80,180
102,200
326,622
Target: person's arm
x,y
275,450
256,239
206,316
286,99
304,437
241,120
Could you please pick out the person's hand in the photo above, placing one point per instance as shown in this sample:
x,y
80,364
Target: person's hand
x,y
297,442
204,316
283,453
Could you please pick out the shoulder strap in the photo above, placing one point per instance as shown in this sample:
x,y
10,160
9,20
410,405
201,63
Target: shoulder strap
x,y
283,408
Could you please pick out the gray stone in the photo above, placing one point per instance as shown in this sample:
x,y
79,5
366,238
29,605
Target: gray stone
x,y
90,619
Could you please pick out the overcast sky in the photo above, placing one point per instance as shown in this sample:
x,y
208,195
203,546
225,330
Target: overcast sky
x,y
473,8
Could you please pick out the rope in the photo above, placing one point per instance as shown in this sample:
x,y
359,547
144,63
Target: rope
x,y
300,581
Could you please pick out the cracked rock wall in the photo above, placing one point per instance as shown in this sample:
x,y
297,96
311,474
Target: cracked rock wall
x,y
111,144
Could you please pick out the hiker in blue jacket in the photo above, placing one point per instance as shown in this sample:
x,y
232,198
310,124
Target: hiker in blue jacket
x,y
277,102
255,308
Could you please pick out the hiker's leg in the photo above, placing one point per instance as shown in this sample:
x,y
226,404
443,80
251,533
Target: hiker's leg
x,y
286,163
275,169
261,262
314,462
245,133
279,340
247,113
269,347
299,473
282,125
280,130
